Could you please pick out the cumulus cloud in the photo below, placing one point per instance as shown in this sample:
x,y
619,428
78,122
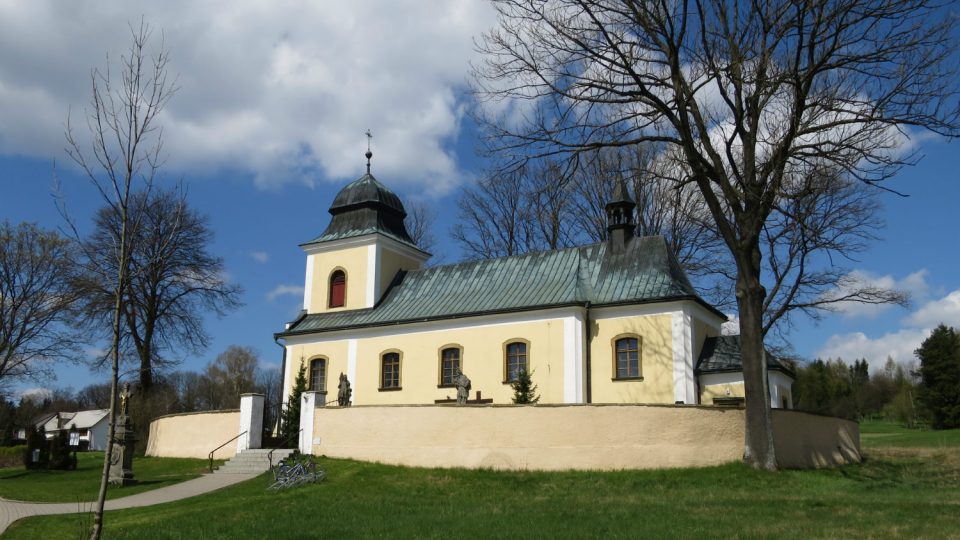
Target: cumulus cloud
x,y
914,284
898,344
945,310
260,256
282,90
36,394
284,290
732,326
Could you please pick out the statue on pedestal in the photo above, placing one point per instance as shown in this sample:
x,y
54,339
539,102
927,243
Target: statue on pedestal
x,y
463,387
343,396
121,458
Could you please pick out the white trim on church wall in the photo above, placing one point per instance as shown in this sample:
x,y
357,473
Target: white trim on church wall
x,y
684,388
573,359
373,275
308,284
352,365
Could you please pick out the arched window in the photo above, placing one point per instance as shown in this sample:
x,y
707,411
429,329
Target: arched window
x,y
626,357
515,360
449,365
318,374
390,371
338,288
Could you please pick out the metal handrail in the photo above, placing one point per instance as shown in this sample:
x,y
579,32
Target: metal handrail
x,y
282,445
210,455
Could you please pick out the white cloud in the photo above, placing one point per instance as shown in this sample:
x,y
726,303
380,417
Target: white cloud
x,y
945,310
731,327
36,394
901,343
898,345
284,290
260,256
915,284
284,90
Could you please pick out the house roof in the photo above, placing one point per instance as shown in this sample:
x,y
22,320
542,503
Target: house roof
x,y
86,419
646,271
365,206
722,355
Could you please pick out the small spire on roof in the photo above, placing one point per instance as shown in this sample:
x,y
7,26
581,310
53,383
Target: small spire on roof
x,y
369,154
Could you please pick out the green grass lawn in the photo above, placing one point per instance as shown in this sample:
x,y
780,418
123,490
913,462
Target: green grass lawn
x,y
897,492
83,484
880,434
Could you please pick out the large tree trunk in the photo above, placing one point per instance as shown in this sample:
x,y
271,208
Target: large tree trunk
x,y
758,433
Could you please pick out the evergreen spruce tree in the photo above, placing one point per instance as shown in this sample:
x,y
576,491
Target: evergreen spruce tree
x,y
60,457
524,391
939,358
290,419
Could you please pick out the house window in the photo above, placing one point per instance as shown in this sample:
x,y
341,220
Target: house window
x,y
626,357
390,371
449,365
515,360
338,288
318,374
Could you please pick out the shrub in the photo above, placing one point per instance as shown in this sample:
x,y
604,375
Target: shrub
x,y
60,456
11,456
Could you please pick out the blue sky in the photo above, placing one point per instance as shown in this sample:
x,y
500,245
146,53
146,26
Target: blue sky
x,y
269,123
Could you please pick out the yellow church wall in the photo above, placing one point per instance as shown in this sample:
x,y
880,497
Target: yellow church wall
x,y
482,360
710,391
392,262
335,353
353,261
701,331
656,360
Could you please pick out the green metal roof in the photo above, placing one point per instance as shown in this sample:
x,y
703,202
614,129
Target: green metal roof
x,y
645,272
722,354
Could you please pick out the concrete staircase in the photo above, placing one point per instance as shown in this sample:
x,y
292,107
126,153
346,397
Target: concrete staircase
x,y
252,461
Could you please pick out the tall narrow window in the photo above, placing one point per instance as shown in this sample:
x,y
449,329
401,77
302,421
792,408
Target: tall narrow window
x,y
627,358
449,366
318,374
338,288
515,360
390,371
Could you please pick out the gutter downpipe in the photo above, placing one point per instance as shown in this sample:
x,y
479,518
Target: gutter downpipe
x,y
586,343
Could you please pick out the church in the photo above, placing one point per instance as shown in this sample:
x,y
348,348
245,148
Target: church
x,y
616,322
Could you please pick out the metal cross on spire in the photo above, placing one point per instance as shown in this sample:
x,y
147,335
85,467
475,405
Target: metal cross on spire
x,y
369,154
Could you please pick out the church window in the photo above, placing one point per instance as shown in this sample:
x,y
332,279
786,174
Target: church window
x,y
449,365
390,371
318,374
626,357
515,360
338,288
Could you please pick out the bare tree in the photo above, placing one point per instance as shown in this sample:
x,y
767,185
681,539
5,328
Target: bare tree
x,y
748,96
36,301
125,150
419,223
232,373
494,219
174,280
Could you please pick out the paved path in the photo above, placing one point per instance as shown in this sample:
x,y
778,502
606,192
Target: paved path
x,y
11,511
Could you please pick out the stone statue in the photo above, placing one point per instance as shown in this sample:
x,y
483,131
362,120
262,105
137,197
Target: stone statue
x,y
124,398
121,457
343,396
463,387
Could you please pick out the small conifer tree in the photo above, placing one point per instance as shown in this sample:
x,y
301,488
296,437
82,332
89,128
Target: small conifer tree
x,y
524,391
290,419
60,457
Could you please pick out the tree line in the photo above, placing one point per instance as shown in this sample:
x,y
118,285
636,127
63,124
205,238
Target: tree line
x,y
235,371
915,394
